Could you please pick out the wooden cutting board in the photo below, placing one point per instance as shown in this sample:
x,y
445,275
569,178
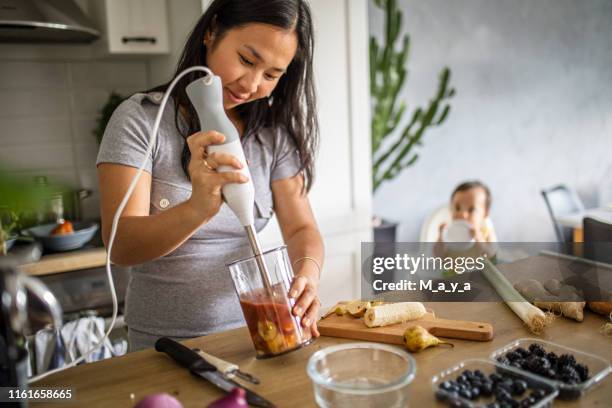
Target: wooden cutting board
x,y
353,328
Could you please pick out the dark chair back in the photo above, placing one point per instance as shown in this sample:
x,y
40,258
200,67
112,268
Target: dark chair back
x,y
561,200
597,240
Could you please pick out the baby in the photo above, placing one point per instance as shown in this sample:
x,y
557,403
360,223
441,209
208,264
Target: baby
x,y
471,202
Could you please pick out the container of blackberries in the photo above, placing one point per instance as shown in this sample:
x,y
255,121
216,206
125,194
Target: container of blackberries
x,y
480,383
572,371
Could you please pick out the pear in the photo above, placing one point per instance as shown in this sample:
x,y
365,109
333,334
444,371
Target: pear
x,y
416,339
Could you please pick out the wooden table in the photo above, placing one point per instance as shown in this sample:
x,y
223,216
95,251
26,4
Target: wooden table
x,y
122,381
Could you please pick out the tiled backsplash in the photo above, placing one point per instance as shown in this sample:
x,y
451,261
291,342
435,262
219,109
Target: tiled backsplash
x,y
48,111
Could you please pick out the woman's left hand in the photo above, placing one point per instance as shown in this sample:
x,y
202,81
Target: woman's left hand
x,y
304,289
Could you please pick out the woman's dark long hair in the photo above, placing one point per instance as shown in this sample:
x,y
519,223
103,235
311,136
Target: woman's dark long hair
x,y
292,104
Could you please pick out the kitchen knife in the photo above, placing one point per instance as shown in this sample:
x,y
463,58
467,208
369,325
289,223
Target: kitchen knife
x,y
200,367
229,370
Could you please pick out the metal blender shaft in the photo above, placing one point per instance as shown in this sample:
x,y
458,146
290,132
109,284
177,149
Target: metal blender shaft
x,y
261,264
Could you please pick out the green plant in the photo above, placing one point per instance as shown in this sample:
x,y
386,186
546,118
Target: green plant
x,y
393,151
114,100
17,195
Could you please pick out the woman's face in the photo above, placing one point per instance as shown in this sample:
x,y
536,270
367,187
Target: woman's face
x,y
250,61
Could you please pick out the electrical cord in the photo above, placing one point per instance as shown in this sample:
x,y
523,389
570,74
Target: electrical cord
x,y
117,216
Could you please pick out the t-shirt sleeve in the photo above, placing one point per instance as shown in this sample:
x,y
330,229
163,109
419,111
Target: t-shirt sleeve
x,y
286,157
126,136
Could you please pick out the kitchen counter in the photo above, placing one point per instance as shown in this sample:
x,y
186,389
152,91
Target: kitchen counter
x,y
66,262
122,381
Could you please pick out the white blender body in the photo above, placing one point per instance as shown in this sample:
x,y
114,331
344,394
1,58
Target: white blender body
x,y
206,96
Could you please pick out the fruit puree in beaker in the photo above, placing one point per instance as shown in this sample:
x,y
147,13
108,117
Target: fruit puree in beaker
x,y
274,330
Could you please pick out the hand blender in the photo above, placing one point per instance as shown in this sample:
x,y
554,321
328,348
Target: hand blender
x,y
206,95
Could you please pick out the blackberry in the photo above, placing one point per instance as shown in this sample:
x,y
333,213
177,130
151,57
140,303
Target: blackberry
x,y
513,356
503,360
583,372
537,349
569,375
524,353
567,360
538,365
553,358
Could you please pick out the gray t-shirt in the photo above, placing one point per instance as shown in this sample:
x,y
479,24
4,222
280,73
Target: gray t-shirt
x,y
189,292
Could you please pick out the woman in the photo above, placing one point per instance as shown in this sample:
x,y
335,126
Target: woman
x,y
174,229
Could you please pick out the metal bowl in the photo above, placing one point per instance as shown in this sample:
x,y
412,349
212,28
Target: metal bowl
x,y
83,233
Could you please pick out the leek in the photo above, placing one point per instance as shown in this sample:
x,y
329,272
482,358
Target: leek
x,y
535,319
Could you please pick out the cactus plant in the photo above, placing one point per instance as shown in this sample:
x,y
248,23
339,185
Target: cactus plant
x,y
392,148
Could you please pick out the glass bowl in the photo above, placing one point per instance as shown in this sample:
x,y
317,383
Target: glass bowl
x,y
361,375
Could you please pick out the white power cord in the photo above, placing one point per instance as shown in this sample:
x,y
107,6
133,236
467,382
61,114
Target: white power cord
x,y
126,197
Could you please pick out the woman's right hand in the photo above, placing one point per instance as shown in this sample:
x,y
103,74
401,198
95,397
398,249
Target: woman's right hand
x,y
206,182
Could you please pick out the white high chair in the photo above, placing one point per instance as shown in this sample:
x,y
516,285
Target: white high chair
x,y
431,225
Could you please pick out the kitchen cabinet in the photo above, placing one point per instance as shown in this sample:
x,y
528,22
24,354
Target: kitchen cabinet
x,y
132,26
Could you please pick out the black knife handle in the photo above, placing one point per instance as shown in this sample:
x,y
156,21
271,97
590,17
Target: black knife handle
x,y
183,355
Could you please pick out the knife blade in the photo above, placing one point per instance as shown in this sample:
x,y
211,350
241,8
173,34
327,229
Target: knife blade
x,y
226,368
200,367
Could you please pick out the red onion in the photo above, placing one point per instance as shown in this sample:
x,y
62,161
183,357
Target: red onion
x,y
159,401
235,399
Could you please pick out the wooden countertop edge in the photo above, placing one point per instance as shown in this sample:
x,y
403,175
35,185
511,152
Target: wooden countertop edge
x,y
72,261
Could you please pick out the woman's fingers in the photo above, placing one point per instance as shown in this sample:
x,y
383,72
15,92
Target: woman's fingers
x,y
297,286
311,316
217,159
199,141
230,177
305,296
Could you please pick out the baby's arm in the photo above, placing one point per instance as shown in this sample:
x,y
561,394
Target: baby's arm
x,y
439,248
441,229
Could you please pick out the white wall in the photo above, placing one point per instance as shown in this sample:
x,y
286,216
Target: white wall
x,y
533,106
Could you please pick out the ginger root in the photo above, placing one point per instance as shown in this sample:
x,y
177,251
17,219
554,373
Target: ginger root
x,y
537,293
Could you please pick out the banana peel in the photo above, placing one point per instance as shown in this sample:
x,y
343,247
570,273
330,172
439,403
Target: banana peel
x,y
355,308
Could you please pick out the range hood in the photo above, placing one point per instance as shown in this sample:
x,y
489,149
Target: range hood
x,y
44,21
